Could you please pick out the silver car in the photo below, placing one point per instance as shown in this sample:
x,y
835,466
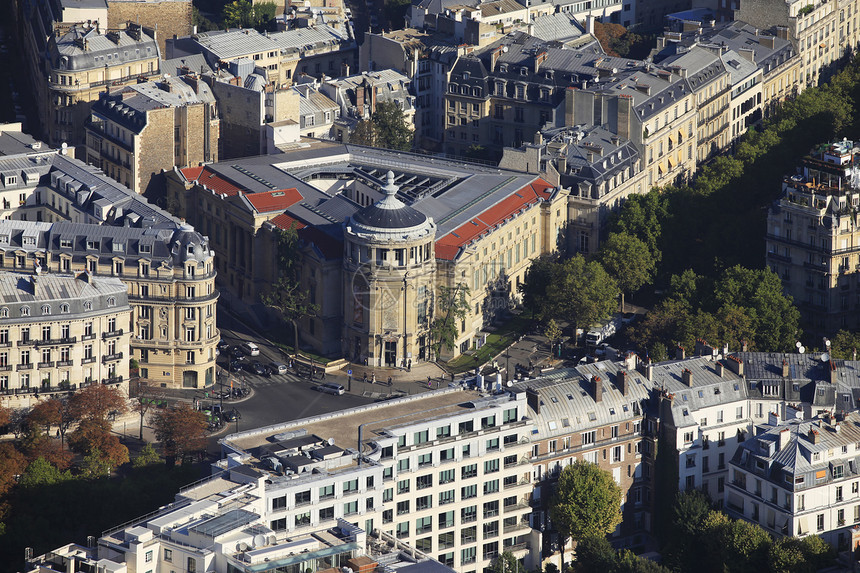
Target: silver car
x,y
278,368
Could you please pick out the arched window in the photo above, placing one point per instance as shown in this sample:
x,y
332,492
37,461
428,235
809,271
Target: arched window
x,y
88,305
25,311
4,312
111,301
46,309
64,308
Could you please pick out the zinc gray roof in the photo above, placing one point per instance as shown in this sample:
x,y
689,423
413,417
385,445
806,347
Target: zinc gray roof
x,y
739,67
113,48
559,27
707,388
567,401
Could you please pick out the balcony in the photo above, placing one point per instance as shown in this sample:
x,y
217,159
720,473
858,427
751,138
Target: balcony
x,y
89,360
64,363
112,357
112,380
56,341
112,334
24,367
88,337
47,364
6,368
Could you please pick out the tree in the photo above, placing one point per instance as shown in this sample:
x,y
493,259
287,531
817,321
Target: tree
x,y
287,295
6,416
40,473
553,333
581,292
505,563
364,133
53,412
12,464
535,284
96,401
586,504
180,430
94,435
95,466
453,306
145,396
844,345
238,14
628,261
391,128
147,457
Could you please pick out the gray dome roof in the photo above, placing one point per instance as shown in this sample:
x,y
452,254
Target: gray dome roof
x,y
389,212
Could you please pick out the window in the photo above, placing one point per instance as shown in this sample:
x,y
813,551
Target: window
x,y
423,525
588,438
469,471
403,486
446,497
350,507
423,482
402,507
326,513
303,519
446,519
493,445
443,431
468,492
491,466
303,497
350,486
819,522
468,514
327,492
447,476
491,486
425,460
491,509
168,555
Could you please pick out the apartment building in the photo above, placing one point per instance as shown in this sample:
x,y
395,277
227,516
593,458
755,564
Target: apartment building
x,y
137,131
317,112
596,167
59,332
710,82
425,59
78,64
357,97
812,237
821,32
72,218
478,228
775,57
315,50
595,413
800,477
703,415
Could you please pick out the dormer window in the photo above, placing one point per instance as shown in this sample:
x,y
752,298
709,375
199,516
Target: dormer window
x,y
25,311
118,247
88,305
93,245
145,249
46,309
4,312
65,243
524,71
111,301
190,249
466,75
64,308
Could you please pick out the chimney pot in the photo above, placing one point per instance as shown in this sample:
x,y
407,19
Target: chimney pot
x,y
597,388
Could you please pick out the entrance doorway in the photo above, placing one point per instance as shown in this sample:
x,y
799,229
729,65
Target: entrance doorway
x,y
391,353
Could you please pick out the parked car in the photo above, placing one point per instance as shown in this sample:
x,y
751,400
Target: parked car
x,y
232,415
223,345
278,368
237,352
236,365
250,349
331,388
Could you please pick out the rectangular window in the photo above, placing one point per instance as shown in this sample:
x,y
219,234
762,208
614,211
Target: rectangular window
x,y
422,482
491,466
469,471
446,519
446,497
447,476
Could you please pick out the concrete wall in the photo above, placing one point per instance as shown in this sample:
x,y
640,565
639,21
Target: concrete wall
x,y
170,17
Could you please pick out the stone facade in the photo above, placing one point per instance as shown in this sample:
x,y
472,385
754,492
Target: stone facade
x,y
169,18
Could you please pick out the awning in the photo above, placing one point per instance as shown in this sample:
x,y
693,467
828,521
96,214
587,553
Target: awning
x,y
802,527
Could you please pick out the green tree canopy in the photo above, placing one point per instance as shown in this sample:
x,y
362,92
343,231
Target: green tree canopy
x,y
627,260
581,292
536,283
147,457
244,14
393,132
40,472
587,502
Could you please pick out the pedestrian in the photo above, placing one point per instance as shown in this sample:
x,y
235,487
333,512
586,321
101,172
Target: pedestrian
x,y
323,374
373,378
364,378
409,365
389,380
428,381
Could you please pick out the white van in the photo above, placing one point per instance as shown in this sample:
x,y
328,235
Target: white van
x,y
250,349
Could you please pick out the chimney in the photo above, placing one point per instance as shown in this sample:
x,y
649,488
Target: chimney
x,y
359,101
813,435
533,400
784,437
494,57
744,345
720,369
589,24
562,164
680,353
625,113
34,282
646,369
785,369
703,348
631,361
687,377
540,59
621,381
569,105
773,419
736,365
782,32
597,388
834,375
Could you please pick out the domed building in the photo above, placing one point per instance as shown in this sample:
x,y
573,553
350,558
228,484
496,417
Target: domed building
x,y
389,273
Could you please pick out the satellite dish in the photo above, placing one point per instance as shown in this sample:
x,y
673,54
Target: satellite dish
x,y
241,546
259,540
798,344
801,349
331,441
824,357
827,343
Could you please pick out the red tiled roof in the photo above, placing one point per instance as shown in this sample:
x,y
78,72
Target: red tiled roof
x,y
191,173
277,200
448,246
213,181
284,221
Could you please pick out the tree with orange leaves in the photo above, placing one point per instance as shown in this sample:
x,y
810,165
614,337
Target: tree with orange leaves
x,y
96,401
12,463
53,412
94,436
181,431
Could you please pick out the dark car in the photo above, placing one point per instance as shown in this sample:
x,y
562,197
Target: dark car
x,y
235,365
237,352
223,345
232,415
259,369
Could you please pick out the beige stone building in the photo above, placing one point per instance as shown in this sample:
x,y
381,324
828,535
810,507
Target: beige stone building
x,y
813,241
139,130
376,248
170,18
78,65
72,218
822,32
60,332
